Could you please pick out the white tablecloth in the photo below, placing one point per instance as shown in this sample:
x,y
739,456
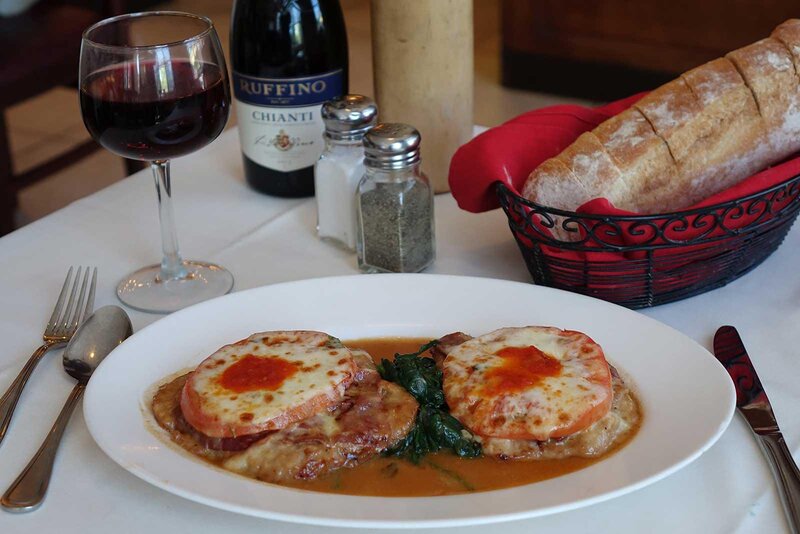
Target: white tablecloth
x,y
263,240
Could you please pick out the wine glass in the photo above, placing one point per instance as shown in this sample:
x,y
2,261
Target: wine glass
x,y
154,86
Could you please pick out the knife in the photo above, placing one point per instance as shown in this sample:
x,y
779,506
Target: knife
x,y
753,404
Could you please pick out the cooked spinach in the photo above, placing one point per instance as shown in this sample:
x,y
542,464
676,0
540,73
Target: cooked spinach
x,y
450,433
434,428
418,375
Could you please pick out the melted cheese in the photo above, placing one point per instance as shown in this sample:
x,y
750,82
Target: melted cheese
x,y
266,381
595,440
530,383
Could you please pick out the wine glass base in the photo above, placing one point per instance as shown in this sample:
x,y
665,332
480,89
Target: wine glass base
x,y
143,289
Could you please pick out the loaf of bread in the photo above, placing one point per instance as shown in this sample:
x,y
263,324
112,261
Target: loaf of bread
x,y
690,138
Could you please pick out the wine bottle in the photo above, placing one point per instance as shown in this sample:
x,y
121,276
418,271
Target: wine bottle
x,y
288,57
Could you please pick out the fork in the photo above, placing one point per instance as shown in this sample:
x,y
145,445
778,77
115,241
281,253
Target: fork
x,y
59,330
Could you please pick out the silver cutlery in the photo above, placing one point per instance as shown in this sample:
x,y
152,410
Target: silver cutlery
x,y
70,310
753,404
99,335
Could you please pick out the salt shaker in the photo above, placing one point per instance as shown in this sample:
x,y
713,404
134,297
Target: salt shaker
x,y
340,167
395,203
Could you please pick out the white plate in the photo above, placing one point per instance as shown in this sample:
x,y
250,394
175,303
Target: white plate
x,y
687,397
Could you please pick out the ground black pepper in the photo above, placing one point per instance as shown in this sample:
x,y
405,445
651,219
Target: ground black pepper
x,y
397,225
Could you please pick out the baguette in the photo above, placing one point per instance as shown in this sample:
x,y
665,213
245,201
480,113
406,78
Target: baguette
x,y
688,139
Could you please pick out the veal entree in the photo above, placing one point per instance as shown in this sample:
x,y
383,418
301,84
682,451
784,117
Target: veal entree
x,y
282,408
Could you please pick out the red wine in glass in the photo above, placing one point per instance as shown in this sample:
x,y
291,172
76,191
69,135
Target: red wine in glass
x,y
125,114
154,86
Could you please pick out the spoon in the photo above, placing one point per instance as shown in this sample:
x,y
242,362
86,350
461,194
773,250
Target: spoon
x,y
100,334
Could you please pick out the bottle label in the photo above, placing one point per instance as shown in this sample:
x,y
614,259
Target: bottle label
x,y
280,126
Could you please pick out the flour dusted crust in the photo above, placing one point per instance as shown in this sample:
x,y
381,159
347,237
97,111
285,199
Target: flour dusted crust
x,y
556,186
769,71
677,117
553,184
672,110
643,158
694,136
788,34
580,173
594,168
731,137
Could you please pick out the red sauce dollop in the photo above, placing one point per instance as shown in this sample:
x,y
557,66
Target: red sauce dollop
x,y
252,373
523,368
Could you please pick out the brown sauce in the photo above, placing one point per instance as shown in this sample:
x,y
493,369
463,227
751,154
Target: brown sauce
x,y
437,474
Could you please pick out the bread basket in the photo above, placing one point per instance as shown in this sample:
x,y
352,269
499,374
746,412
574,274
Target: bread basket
x,y
646,260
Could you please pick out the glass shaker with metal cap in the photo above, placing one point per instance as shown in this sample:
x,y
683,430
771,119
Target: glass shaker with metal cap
x,y
340,167
395,203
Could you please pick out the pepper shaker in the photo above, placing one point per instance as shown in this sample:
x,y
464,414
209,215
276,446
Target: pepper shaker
x,y
395,203
341,166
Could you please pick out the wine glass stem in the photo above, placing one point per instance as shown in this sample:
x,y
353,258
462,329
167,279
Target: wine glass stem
x,y
171,264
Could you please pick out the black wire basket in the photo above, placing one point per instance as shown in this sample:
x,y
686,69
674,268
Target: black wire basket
x,y
647,260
